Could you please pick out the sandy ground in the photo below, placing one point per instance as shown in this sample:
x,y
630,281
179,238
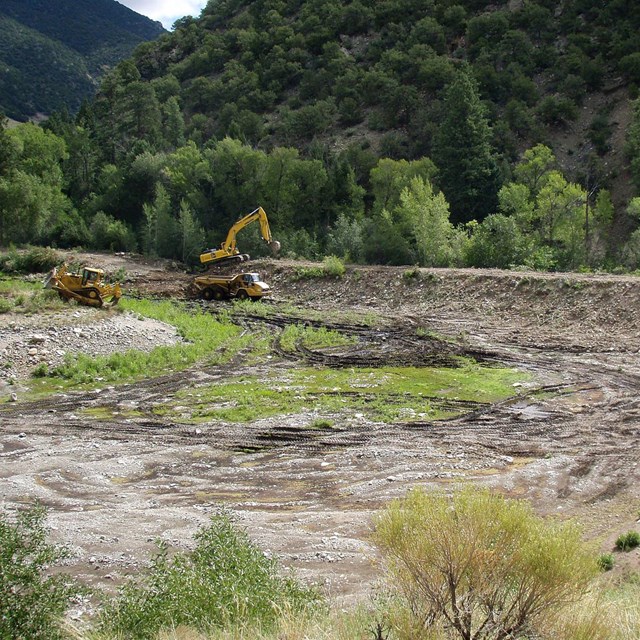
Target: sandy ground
x,y
116,476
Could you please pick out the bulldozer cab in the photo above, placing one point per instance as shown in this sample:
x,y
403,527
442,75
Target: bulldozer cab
x,y
91,276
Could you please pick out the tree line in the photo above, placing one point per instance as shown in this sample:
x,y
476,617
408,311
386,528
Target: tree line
x,y
124,175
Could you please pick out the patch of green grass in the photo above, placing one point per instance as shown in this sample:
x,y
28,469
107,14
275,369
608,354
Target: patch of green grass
x,y
388,394
606,561
20,296
110,413
321,425
312,338
308,273
207,339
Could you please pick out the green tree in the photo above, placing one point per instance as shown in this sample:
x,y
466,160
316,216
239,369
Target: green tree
x,y
533,170
191,235
110,234
346,239
496,242
31,189
560,218
481,566
632,146
389,177
425,215
550,211
468,170
161,228
173,123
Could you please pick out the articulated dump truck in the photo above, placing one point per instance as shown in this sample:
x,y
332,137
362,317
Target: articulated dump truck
x,y
242,286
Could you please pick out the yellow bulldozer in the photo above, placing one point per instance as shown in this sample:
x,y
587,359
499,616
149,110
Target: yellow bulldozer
x,y
86,287
228,252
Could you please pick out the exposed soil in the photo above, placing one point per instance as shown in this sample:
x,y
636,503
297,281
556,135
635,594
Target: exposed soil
x,y
116,476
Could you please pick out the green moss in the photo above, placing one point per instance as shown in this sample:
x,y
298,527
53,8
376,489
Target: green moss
x,y
389,394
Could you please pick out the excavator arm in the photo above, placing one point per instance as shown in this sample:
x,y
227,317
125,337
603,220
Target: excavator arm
x,y
228,250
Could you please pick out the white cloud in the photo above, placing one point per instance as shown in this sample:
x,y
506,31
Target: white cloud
x,y
166,11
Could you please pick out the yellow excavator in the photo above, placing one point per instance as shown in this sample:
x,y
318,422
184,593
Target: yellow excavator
x,y
228,251
86,287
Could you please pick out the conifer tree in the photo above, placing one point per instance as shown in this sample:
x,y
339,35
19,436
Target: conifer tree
x,y
463,153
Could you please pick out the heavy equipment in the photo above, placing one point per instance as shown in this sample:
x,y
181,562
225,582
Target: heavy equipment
x,y
241,286
228,251
86,287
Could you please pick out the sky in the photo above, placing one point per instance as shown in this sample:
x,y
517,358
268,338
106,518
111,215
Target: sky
x,y
166,11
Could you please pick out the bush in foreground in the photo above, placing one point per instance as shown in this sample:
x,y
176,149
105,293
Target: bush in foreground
x,y
225,582
32,603
479,567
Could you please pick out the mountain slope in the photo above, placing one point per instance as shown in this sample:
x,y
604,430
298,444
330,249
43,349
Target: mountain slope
x,y
372,75
53,53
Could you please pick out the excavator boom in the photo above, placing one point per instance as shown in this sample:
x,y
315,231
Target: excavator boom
x,y
228,251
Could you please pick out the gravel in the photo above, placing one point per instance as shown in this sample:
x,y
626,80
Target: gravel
x,y
27,341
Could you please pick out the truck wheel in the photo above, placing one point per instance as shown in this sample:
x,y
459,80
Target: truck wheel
x,y
242,294
207,294
219,294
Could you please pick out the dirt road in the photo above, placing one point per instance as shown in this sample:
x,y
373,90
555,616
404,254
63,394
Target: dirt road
x,y
568,439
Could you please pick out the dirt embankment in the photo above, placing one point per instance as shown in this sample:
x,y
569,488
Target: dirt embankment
x,y
116,474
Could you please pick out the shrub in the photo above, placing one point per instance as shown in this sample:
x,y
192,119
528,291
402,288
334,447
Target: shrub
x,y
333,266
33,260
480,565
605,561
226,581
32,603
628,541
411,274
307,273
41,370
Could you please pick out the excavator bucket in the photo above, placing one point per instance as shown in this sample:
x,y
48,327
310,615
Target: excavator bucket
x,y
274,245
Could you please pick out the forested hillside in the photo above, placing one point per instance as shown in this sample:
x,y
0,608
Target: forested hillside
x,y
404,132
53,53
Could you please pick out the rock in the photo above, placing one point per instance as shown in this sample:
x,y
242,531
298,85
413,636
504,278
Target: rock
x,y
33,351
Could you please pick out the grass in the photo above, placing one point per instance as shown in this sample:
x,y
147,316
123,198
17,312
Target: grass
x,y
20,296
388,394
312,338
207,339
